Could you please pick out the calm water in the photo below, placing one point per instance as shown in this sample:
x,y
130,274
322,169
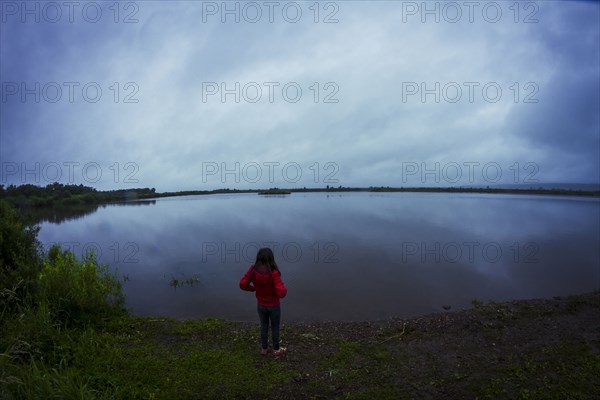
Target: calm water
x,y
348,256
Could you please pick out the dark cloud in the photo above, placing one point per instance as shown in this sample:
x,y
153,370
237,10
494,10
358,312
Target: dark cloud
x,y
169,53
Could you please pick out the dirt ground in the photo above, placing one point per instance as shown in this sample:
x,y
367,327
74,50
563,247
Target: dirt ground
x,y
541,348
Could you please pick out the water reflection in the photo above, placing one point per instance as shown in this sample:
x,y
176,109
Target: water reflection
x,y
59,214
345,256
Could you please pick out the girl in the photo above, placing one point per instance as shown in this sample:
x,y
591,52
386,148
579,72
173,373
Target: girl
x,y
264,278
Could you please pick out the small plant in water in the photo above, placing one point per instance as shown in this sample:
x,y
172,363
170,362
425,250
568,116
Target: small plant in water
x,y
191,281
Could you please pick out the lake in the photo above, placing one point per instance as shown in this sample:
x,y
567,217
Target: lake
x,y
343,256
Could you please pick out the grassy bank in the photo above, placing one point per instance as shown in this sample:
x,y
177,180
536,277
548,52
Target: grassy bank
x,y
64,334
528,349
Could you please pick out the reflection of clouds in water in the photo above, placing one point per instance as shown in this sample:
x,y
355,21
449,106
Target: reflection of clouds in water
x,y
373,274
479,215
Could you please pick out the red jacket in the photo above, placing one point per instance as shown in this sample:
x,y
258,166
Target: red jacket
x,y
268,286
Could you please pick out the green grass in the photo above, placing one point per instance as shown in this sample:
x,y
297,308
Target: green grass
x,y
561,371
144,358
162,358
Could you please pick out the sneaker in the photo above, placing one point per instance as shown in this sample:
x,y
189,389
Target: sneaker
x,y
279,352
263,352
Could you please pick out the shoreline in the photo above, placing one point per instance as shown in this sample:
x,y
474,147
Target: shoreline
x,y
546,348
57,202
478,304
543,304
288,191
536,348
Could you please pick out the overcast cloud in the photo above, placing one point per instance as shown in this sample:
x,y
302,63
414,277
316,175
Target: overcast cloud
x,y
544,127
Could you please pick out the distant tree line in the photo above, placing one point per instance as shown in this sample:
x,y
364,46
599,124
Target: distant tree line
x,y
487,189
58,194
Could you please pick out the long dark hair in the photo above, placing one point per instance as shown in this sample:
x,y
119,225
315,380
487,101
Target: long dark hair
x,y
265,257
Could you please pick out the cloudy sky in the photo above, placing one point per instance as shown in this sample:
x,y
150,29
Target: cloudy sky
x,y
204,95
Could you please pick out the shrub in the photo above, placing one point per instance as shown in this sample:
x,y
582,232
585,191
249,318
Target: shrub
x,y
76,288
69,287
20,258
49,304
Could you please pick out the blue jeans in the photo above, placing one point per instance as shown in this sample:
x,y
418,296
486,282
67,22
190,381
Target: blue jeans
x,y
274,315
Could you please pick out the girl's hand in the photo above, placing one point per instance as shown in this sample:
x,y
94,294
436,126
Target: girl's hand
x,y
246,282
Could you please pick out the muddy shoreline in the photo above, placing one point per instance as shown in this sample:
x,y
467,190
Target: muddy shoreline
x,y
486,351
539,348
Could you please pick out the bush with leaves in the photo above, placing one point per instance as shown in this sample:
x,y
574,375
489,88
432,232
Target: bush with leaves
x,y
20,258
70,287
76,288
50,307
